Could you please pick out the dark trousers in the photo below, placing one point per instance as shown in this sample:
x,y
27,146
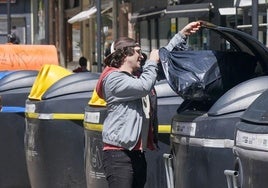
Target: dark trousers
x,y
125,169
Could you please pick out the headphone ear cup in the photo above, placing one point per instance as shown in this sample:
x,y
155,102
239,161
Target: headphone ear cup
x,y
112,47
144,59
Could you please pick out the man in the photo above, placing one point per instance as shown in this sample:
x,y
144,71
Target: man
x,y
126,129
82,64
125,94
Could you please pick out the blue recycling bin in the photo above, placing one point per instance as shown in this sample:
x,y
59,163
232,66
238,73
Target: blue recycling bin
x,y
54,135
15,86
167,102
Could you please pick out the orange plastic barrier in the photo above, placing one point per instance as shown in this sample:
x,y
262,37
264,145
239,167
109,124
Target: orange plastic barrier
x,y
27,57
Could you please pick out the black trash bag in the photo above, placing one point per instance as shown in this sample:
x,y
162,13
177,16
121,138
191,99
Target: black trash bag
x,y
206,74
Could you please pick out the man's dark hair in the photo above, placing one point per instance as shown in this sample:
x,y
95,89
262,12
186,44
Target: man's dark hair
x,y
123,47
82,61
13,38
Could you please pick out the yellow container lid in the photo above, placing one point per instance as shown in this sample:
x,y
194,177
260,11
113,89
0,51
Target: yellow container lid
x,y
95,100
48,75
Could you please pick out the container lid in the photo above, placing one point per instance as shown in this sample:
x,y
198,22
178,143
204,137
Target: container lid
x,y
47,76
239,97
163,89
17,79
243,42
96,101
257,112
4,73
72,84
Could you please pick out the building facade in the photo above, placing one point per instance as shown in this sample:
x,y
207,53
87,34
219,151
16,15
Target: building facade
x,y
15,18
152,23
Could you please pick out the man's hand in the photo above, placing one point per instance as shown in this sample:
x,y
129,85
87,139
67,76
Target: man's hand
x,y
191,28
154,55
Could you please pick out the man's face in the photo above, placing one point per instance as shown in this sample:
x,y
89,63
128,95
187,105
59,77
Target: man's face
x,y
134,61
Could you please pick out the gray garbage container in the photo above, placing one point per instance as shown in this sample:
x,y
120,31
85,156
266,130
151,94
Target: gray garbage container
x,y
54,136
251,145
203,130
15,86
168,102
202,141
4,73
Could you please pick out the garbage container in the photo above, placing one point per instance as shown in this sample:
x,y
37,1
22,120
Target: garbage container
x,y
202,132
54,136
4,73
251,145
202,141
168,102
14,89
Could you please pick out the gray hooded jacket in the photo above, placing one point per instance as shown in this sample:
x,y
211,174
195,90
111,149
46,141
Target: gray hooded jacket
x,y
123,93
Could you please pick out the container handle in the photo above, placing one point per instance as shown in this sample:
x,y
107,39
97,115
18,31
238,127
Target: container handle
x,y
231,177
169,170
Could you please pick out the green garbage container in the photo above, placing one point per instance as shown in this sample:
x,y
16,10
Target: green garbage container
x,y
13,93
54,136
168,102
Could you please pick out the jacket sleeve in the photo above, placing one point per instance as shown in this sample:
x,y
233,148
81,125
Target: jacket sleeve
x,y
179,41
121,86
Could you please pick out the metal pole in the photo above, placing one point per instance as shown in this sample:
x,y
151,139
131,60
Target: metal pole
x,y
266,23
115,13
235,17
8,18
98,5
62,34
255,20
236,4
47,12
